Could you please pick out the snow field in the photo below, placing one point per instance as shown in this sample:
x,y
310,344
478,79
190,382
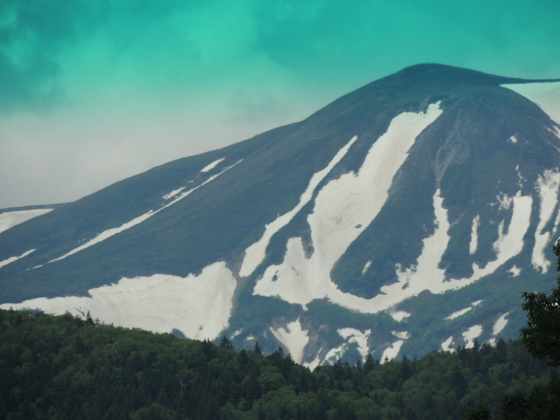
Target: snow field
x,y
12,259
255,253
548,185
198,306
10,219
353,199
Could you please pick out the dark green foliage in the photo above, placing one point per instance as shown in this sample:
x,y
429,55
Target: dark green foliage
x,y
542,334
64,367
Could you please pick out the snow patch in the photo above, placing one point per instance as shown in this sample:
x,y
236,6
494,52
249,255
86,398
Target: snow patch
x,y
199,306
459,313
353,199
10,219
316,362
255,253
463,311
471,334
136,221
399,315
12,259
403,335
446,345
474,235
391,352
212,165
547,185
236,333
173,193
500,324
352,335
366,266
294,338
515,271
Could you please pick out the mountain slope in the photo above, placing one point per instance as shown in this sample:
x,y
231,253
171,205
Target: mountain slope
x,y
404,217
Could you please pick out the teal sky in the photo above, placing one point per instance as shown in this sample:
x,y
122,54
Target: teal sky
x,y
95,91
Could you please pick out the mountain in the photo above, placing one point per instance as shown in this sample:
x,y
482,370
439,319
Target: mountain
x,y
405,217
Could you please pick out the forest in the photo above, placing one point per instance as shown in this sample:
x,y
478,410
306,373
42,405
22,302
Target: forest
x,y
64,367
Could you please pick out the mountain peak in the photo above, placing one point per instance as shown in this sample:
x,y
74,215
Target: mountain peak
x,y
405,217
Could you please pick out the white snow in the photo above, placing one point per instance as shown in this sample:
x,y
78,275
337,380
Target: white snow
x,y
198,306
316,362
513,139
366,266
236,333
510,244
352,335
10,219
399,315
391,352
446,345
403,335
463,311
212,165
547,185
515,271
12,259
472,333
336,353
294,338
500,324
136,221
459,313
545,95
342,204
474,235
255,253
173,193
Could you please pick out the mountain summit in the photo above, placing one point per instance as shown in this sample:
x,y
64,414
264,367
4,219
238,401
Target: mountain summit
x,y
405,217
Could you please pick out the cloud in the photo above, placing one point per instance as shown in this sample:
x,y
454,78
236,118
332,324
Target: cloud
x,y
141,82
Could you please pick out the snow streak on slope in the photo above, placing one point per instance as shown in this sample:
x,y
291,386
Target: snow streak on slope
x,y
547,186
463,311
500,324
211,166
294,338
142,218
474,235
10,219
198,306
12,259
255,253
342,210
